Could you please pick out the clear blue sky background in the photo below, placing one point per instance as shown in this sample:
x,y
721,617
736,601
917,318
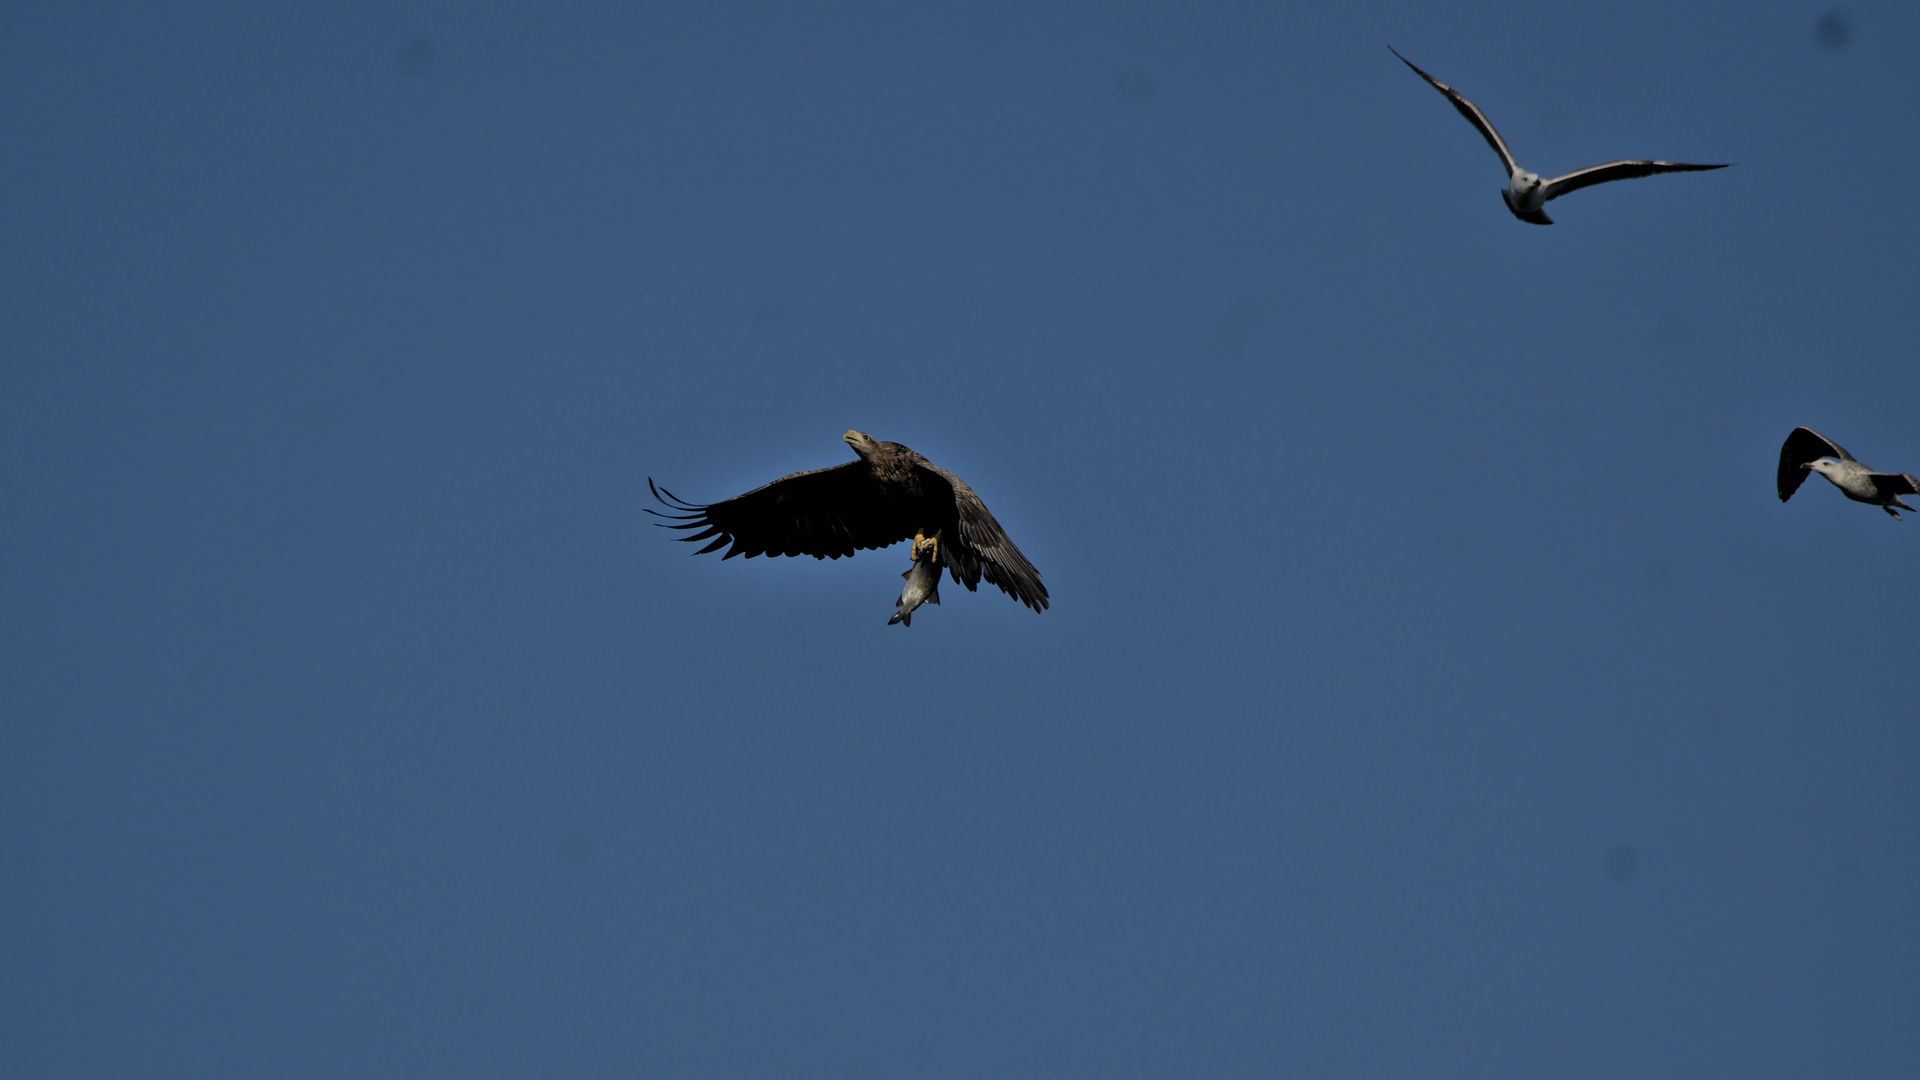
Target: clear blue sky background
x,y
1434,685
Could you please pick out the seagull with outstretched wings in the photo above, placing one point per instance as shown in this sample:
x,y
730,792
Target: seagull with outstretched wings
x,y
1527,193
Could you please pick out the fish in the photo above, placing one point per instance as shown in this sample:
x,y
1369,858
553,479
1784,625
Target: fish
x,y
923,587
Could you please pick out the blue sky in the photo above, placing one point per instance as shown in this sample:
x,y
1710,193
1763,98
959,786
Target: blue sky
x,y
1434,685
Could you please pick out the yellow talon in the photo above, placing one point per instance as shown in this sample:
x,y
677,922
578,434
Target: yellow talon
x,y
926,548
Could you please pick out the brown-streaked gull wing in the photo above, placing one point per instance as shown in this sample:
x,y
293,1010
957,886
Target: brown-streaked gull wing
x,y
1894,485
1803,445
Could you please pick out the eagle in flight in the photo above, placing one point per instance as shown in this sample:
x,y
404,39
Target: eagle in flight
x,y
887,495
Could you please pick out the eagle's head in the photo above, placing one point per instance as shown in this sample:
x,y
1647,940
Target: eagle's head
x,y
863,444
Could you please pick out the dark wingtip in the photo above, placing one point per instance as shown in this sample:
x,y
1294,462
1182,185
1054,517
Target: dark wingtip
x,y
668,498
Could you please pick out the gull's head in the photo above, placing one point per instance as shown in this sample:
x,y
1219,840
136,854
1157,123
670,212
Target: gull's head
x,y
1525,192
1823,466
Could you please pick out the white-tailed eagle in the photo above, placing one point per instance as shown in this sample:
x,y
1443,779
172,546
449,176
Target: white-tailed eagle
x,y
887,495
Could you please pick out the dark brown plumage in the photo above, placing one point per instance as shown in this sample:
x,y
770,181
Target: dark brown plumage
x,y
888,495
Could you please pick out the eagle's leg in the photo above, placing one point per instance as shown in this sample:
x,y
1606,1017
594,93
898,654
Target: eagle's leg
x,y
926,548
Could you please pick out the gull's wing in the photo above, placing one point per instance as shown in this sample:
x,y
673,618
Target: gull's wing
x,y
1895,484
1616,170
1803,445
825,513
1473,114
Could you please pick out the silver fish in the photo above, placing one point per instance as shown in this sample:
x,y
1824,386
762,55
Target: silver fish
x,y
923,587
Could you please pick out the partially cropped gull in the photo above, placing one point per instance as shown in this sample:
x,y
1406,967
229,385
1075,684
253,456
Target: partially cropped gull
x,y
1806,450
1526,193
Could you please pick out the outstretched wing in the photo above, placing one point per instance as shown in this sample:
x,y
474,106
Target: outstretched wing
x,y
1803,445
984,549
1471,111
825,513
1616,170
